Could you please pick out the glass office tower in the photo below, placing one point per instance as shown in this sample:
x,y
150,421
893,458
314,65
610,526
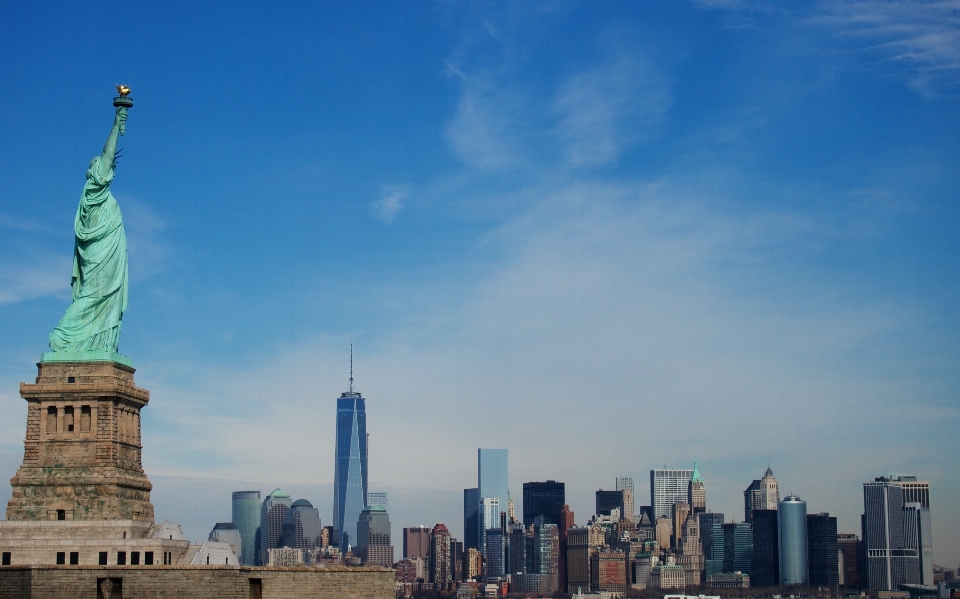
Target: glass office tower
x,y
792,536
350,475
246,517
491,484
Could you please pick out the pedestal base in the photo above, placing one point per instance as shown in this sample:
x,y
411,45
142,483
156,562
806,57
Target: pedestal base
x,y
81,458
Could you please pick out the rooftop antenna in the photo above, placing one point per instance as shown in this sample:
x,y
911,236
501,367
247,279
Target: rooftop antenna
x,y
351,368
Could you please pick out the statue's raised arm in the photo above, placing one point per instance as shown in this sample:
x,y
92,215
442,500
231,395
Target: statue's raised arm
x,y
90,328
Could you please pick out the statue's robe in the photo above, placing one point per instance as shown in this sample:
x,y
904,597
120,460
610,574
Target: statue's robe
x,y
99,281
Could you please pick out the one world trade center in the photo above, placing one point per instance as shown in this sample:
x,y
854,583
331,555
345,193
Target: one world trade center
x,y
350,475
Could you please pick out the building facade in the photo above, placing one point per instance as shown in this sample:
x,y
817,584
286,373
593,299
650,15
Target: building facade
x,y
350,472
245,508
792,536
762,494
766,549
892,557
301,526
823,567
471,518
416,542
492,483
666,488
373,537
272,512
697,491
543,499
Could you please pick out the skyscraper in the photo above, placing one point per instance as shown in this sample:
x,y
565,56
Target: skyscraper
x,y
546,552
246,516
495,556
792,535
766,549
440,540
762,494
607,501
272,512
489,512
666,488
471,518
823,566
373,536
301,526
492,481
732,549
889,542
697,491
707,520
350,474
543,499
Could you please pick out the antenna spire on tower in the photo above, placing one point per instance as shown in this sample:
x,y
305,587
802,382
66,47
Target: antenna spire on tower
x,y
351,368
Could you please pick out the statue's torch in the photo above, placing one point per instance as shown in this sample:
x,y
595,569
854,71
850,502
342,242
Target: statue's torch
x,y
125,101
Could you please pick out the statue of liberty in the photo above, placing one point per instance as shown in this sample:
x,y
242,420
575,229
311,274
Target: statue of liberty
x,y
90,329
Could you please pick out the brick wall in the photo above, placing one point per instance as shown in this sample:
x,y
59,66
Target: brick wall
x,y
200,582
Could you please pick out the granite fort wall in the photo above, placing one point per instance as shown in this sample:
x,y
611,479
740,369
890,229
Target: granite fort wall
x,y
200,582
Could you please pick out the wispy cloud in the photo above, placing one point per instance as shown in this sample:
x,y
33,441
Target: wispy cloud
x,y
34,276
144,227
604,109
922,37
390,202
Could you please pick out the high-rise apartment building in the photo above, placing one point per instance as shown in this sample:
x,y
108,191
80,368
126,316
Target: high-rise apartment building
x,y
792,536
440,572
350,473
697,491
766,549
543,499
373,537
892,541
246,516
666,488
272,512
471,518
762,494
301,526
492,482
416,542
823,567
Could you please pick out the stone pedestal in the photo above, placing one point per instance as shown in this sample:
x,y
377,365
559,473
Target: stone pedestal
x,y
81,458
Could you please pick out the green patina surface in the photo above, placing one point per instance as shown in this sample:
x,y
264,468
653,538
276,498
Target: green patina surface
x,y
90,328
86,356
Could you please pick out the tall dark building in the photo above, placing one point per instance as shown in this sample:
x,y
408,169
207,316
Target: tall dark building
x,y
607,501
706,521
543,499
471,518
850,546
566,523
350,472
517,550
766,549
823,568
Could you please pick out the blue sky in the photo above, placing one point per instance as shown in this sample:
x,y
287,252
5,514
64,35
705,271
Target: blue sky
x,y
607,237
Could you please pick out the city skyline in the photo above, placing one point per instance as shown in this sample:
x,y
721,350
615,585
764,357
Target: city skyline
x,y
741,213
